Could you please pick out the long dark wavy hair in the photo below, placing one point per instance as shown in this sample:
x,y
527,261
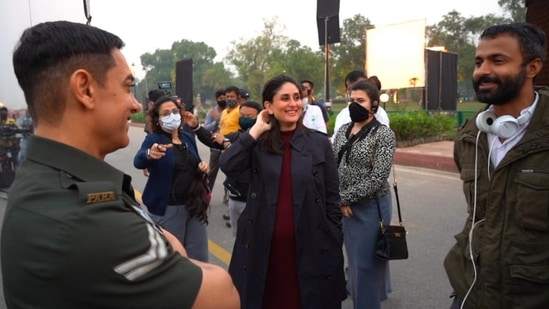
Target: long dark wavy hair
x,y
270,140
198,201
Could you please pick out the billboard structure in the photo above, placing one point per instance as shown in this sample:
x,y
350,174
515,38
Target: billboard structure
x,y
396,54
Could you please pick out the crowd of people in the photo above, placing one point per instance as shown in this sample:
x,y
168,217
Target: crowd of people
x,y
296,197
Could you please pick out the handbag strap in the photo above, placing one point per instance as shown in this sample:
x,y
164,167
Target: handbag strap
x,y
395,188
381,223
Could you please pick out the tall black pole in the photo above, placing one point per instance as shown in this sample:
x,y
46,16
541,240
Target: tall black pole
x,y
327,63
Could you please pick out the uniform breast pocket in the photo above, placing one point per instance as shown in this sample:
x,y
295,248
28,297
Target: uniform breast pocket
x,y
533,199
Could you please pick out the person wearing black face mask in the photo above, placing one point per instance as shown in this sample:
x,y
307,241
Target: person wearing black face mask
x,y
229,118
211,123
237,187
364,149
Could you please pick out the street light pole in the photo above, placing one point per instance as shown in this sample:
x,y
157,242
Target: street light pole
x,y
327,62
134,81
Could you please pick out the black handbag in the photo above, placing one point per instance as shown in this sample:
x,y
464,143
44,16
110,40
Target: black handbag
x,y
391,242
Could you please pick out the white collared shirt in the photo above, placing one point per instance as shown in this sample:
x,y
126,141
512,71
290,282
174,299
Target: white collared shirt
x,y
313,119
499,149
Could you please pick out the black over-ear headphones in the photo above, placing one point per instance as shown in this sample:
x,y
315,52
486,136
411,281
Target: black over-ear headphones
x,y
504,126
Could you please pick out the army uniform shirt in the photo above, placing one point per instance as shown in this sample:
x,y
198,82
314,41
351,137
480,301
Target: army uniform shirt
x,y
74,237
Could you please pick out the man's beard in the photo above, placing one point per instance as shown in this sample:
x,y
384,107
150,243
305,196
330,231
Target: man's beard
x,y
507,89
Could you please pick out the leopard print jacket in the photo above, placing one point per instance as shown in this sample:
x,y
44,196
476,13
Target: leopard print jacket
x,y
364,175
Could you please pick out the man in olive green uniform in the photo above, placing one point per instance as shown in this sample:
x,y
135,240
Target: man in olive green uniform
x,y
501,258
73,235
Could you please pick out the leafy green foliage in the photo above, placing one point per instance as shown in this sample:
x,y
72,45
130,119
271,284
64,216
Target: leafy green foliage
x,y
420,124
349,54
138,117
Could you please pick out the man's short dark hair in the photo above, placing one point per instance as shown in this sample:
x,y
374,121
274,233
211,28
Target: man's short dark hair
x,y
310,82
353,76
234,89
219,93
155,94
252,104
48,53
531,39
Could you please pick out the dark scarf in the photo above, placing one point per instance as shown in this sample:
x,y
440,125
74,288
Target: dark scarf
x,y
360,135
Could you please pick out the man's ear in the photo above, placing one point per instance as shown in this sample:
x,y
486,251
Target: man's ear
x,y
82,88
533,68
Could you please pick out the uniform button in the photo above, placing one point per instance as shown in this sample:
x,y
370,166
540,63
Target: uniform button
x,y
250,221
317,199
247,246
245,267
253,195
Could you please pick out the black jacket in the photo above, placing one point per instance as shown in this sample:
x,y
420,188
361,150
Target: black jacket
x,y
317,217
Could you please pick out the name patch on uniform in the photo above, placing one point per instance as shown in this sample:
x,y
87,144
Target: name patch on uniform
x,y
100,197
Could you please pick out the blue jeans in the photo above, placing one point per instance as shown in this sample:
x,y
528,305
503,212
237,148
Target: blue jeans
x,y
191,232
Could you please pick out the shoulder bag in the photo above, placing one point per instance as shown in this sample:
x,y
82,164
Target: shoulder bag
x,y
391,242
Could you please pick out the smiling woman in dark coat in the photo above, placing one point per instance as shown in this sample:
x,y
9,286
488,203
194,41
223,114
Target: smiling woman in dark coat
x,y
288,247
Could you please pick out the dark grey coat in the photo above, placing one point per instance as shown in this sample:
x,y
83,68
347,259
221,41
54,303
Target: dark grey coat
x,y
317,219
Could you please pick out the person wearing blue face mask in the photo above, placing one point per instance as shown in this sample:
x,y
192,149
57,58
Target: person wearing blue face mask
x,y
176,193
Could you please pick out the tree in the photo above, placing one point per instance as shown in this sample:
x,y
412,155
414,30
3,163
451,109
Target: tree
x,y
215,77
160,66
251,57
350,53
299,62
515,8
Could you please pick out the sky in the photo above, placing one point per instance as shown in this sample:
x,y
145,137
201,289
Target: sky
x,y
146,26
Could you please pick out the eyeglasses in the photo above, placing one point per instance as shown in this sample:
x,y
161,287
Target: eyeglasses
x,y
166,113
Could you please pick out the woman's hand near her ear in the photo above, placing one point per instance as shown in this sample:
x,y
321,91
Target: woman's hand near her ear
x,y
262,124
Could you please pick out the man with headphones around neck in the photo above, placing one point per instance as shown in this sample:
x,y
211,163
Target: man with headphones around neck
x,y
501,258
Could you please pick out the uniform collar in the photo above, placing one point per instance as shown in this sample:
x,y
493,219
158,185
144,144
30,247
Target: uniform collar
x,y
77,163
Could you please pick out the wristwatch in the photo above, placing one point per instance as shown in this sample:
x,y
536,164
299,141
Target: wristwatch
x,y
226,140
